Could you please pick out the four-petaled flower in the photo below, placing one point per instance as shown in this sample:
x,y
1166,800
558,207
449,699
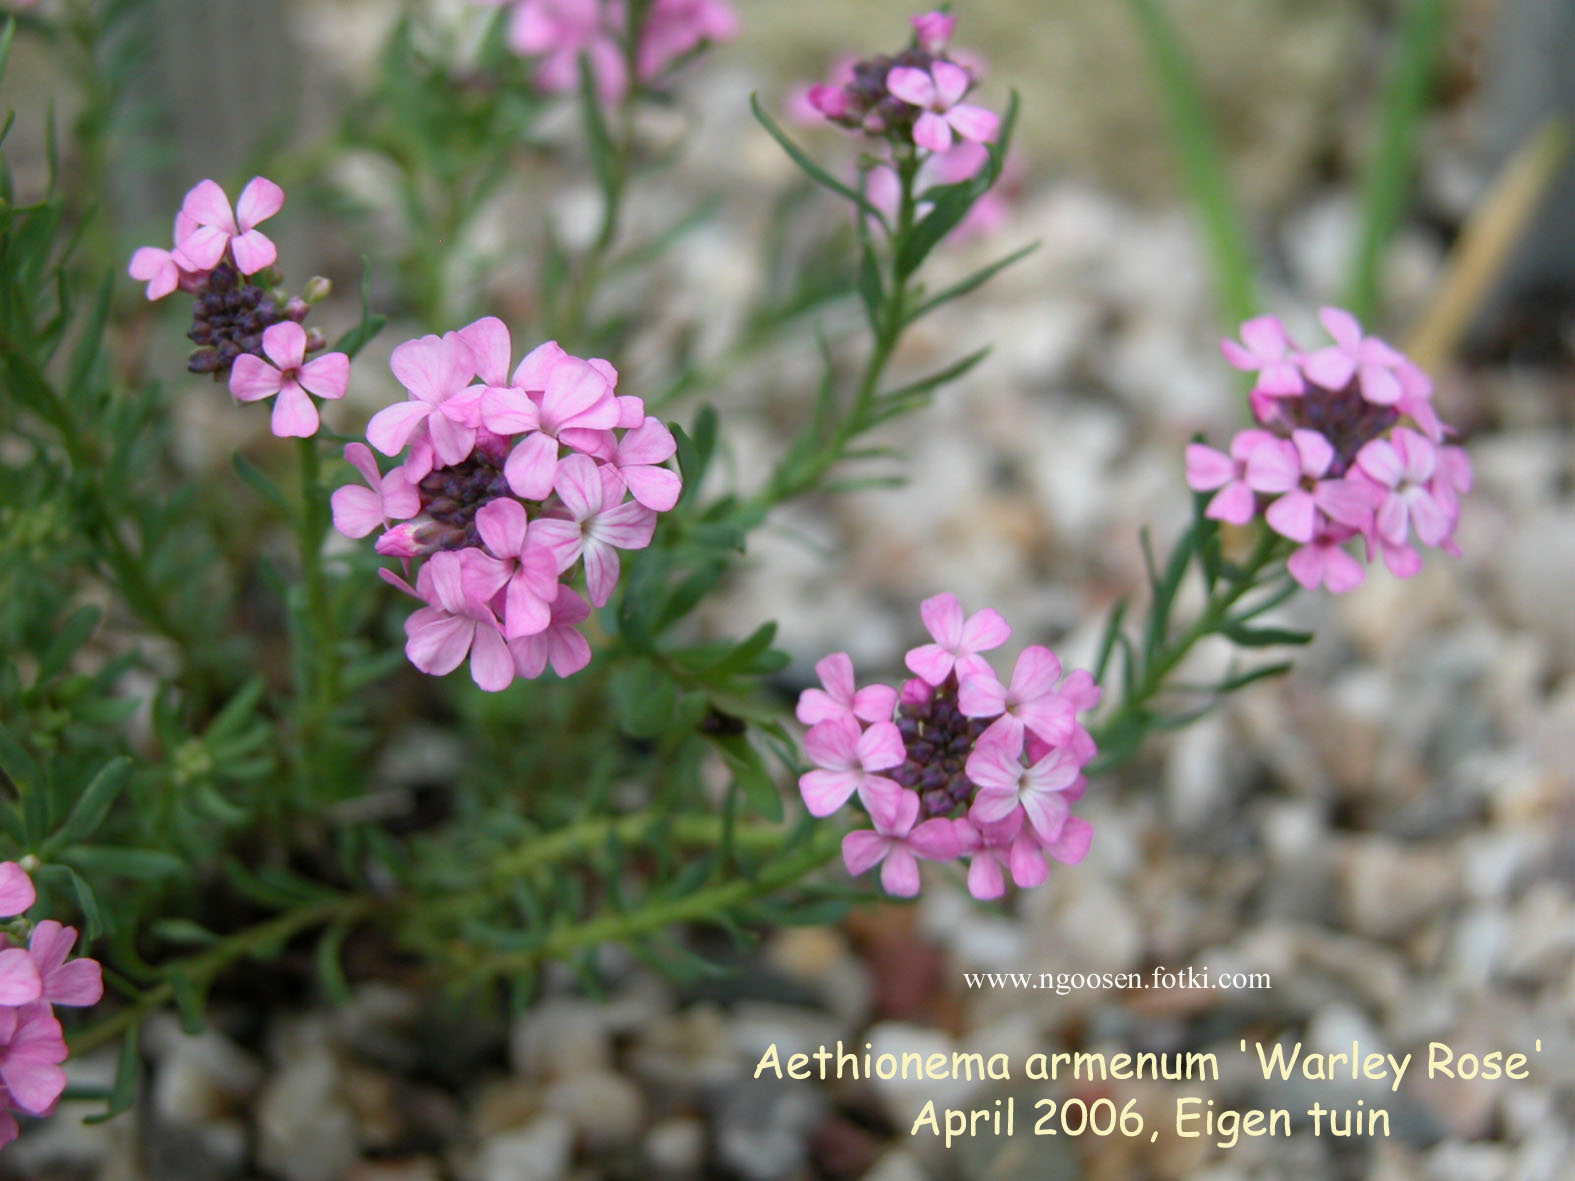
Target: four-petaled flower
x,y
938,92
218,227
600,524
896,846
291,377
847,761
958,642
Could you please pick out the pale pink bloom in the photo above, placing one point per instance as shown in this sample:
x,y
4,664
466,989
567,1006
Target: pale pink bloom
x,y
19,981
559,642
32,1047
17,892
165,270
1402,471
1374,363
291,377
457,622
600,524
637,459
1208,469
933,29
992,846
1416,400
839,698
846,762
1005,785
559,31
436,370
533,581
1266,349
1295,467
75,982
676,28
1030,700
1452,478
358,511
897,845
218,228
958,641
1324,561
939,93
573,395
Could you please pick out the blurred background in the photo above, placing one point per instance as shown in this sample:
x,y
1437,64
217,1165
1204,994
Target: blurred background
x,y
1387,832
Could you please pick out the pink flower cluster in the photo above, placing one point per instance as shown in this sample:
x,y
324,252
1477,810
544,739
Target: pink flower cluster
x,y
240,326
1349,448
559,32
914,98
511,482
33,979
957,764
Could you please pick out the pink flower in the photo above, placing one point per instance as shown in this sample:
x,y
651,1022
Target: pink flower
x,y
560,31
1324,561
1402,472
1266,349
1005,785
32,1047
1014,846
1208,469
600,524
292,377
958,642
457,621
846,761
674,29
932,30
938,92
77,982
533,583
358,511
1295,467
637,460
897,845
839,699
1029,701
17,893
559,642
219,228
1370,360
436,370
574,395
165,270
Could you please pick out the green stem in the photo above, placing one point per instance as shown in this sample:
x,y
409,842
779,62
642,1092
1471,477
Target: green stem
x,y
1226,594
253,941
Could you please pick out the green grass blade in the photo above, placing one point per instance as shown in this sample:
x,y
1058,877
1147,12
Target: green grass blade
x,y
1201,163
1392,160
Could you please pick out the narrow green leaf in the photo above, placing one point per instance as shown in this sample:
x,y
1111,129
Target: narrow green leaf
x,y
330,970
87,902
603,155
1257,674
64,646
972,283
261,484
926,384
93,804
128,1069
371,324
131,863
17,763
189,1002
1107,643
811,169
184,932
1265,637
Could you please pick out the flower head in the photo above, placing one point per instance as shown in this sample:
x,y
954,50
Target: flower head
x,y
217,229
284,373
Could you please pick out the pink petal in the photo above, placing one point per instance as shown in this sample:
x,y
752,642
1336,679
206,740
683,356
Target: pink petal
x,y
931,662
1345,573
1294,515
1380,386
569,650
1234,503
491,662
578,484
508,411
880,747
327,376
875,703
1036,672
490,349
978,124
532,371
650,442
1207,468
628,526
951,81
1265,336
1071,845
259,201
935,839
208,205
252,379
562,538
203,247
285,344
601,572
1345,502
357,511
932,131
502,524
532,469
81,982
1274,467
863,849
899,877
1047,812
1342,326
1381,461
253,251
19,979
437,641
1307,565
430,368
984,877
836,674
294,413
452,441
985,630
943,615
832,743
981,695
578,393
912,86
993,804
390,428
826,791
1330,368
1027,863
1314,450
656,488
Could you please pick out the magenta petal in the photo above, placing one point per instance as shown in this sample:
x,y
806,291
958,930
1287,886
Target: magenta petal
x,y
863,849
19,979
984,877
1071,846
437,641
259,201
899,876
911,85
502,524
327,376
1293,515
253,251
294,413
533,468
826,791
252,379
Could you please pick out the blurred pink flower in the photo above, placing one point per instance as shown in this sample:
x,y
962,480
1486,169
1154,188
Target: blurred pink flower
x,y
839,698
1373,363
1267,349
939,92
